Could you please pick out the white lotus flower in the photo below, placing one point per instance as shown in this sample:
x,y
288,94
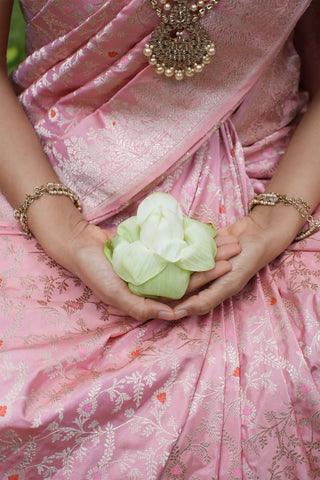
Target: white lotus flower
x,y
157,250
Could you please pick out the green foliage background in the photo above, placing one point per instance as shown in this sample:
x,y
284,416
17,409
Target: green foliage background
x,y
16,44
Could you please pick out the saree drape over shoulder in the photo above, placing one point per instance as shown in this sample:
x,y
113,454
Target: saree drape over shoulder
x,y
229,395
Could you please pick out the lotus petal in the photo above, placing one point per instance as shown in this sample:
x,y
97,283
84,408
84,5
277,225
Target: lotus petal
x,y
135,263
172,283
163,233
155,200
200,253
129,229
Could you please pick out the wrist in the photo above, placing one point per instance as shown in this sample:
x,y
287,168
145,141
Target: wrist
x,y
280,223
21,213
301,207
54,220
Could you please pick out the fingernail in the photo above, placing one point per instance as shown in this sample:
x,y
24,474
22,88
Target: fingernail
x,y
165,315
180,314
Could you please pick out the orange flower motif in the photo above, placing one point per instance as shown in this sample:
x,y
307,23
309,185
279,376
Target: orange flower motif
x,y
13,477
3,410
232,153
162,397
112,54
114,124
135,353
0,281
222,209
236,372
1,343
74,304
53,114
273,301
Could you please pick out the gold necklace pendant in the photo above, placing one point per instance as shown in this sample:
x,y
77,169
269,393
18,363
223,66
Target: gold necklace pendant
x,y
179,46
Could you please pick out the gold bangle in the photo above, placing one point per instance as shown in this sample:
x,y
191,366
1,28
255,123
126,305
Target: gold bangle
x,y
52,189
299,204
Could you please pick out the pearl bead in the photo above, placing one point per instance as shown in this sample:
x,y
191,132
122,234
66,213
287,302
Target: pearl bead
x,y
153,60
178,74
159,69
198,67
167,7
211,49
147,51
194,7
189,71
200,3
169,72
206,59
163,2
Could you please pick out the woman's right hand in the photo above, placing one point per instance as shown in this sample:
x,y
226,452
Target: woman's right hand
x,y
84,256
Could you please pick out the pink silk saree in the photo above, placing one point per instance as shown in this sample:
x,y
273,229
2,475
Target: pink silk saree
x,y
90,396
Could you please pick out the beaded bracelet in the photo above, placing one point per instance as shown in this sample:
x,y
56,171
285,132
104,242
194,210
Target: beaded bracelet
x,y
298,203
52,189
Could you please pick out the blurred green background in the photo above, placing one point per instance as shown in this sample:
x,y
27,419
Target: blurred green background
x,y
16,45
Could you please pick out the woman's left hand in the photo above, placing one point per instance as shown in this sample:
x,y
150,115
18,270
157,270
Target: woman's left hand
x,y
260,240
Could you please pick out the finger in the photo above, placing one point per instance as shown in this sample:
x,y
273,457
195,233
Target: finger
x,y
142,308
122,302
225,238
199,304
139,307
163,313
200,279
207,299
112,310
227,250
225,232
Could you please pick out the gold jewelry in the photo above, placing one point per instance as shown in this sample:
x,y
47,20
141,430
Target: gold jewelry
x,y
179,46
298,203
50,188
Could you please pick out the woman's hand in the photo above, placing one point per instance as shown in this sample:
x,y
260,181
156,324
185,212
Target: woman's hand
x,y
262,236
82,253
